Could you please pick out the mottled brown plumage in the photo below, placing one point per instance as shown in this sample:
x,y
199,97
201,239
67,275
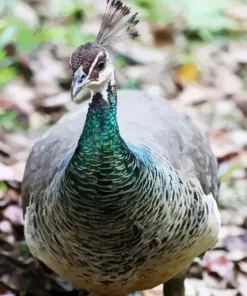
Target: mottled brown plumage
x,y
85,55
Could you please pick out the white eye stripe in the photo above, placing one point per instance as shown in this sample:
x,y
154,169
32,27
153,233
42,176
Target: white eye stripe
x,y
95,62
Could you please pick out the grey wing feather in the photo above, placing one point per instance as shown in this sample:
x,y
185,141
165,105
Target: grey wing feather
x,y
142,118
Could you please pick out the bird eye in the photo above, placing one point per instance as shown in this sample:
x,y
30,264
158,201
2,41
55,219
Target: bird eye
x,y
100,66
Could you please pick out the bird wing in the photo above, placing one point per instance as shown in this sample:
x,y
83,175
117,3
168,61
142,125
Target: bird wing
x,y
143,119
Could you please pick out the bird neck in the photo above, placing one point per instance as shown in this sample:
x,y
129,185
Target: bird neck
x,y
101,130
100,150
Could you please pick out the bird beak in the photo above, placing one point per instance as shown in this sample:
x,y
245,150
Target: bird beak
x,y
80,80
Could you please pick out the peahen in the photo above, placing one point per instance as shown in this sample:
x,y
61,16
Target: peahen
x,y
116,202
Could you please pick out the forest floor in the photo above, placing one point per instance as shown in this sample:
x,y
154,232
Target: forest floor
x,y
207,80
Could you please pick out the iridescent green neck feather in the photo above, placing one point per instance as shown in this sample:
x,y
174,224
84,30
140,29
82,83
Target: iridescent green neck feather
x,y
102,163
100,138
108,182
101,132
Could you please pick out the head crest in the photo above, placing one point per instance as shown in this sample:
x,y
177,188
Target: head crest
x,y
113,27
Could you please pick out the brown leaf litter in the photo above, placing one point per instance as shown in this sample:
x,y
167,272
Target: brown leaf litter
x,y
211,88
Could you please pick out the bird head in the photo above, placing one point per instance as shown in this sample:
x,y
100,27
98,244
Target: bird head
x,y
91,65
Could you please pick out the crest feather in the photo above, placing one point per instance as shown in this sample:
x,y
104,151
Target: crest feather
x,y
113,27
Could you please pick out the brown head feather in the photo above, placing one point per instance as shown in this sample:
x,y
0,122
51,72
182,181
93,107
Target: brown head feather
x,y
85,55
113,29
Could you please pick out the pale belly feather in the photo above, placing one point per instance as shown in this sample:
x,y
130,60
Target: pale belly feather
x,y
160,264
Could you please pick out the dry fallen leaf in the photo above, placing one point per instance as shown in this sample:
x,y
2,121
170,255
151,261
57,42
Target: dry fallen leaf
x,y
199,288
226,219
12,196
242,284
241,102
12,173
217,261
14,214
157,291
222,146
195,94
233,195
217,105
187,73
5,227
19,89
237,11
228,82
5,291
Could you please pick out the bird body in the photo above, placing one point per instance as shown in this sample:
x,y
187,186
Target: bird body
x,y
121,195
131,214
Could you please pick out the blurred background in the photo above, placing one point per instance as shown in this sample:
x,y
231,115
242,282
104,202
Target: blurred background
x,y
191,52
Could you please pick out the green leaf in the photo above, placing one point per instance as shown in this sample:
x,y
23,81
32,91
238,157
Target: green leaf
x,y
230,171
67,7
206,17
7,116
120,61
6,5
28,40
74,36
4,60
132,84
3,186
6,75
24,247
54,34
7,35
156,11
